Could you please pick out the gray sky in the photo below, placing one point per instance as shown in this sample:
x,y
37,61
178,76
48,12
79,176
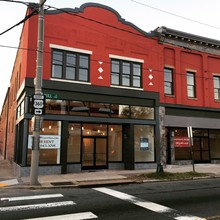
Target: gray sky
x,y
200,17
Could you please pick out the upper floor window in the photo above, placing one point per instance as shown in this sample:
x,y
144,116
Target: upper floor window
x,y
168,81
191,86
216,87
70,66
126,73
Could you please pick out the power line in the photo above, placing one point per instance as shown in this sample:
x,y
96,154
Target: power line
x,y
22,2
176,15
34,12
92,20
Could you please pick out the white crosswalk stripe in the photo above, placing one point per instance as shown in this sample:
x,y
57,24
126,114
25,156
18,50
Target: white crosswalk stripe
x,y
10,199
77,216
74,216
148,205
36,206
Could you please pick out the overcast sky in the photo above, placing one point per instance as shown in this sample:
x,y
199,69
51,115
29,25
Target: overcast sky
x,y
200,17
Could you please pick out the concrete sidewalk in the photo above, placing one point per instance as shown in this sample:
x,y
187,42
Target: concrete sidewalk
x,y
96,178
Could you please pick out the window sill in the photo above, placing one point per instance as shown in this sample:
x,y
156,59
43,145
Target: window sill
x,y
124,87
191,98
70,81
171,96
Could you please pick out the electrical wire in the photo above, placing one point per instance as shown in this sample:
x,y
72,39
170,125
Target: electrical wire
x,y
176,15
89,19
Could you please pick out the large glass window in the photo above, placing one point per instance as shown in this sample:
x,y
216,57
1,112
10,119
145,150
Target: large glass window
x,y
144,143
94,130
191,86
168,81
214,138
70,66
182,145
126,73
55,106
141,112
115,143
50,142
74,143
79,108
216,87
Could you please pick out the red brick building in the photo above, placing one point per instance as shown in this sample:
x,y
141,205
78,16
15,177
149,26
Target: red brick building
x,y
116,96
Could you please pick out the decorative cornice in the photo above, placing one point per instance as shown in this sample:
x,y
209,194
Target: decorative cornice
x,y
187,41
96,5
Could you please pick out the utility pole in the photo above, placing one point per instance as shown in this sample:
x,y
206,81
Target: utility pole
x,y
38,100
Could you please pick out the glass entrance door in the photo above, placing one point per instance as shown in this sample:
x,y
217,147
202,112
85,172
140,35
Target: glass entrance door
x,y
201,149
94,153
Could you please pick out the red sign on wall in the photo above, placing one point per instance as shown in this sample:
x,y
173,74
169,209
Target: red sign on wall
x,y
181,141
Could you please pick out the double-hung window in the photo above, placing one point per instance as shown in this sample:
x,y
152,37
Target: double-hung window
x,y
168,81
191,86
70,66
216,87
126,73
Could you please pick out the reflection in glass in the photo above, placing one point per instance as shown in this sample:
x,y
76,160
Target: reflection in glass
x,y
141,112
144,143
50,142
74,143
54,106
79,108
115,142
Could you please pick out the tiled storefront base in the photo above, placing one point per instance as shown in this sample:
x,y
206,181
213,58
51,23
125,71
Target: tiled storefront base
x,y
74,168
42,170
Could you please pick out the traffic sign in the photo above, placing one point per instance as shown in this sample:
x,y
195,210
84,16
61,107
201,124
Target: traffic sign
x,y
38,104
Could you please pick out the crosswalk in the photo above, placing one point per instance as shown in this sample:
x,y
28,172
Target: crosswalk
x,y
34,202
11,208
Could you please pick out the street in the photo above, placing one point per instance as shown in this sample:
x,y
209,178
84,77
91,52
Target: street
x,y
197,199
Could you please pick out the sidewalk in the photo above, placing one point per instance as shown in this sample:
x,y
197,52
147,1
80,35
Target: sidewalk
x,y
96,178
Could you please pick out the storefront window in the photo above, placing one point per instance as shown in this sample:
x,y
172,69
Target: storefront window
x,y
94,130
141,112
214,136
100,109
120,111
182,145
54,106
79,108
144,143
74,143
50,139
115,142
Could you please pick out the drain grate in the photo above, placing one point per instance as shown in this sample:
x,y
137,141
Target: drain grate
x,y
61,183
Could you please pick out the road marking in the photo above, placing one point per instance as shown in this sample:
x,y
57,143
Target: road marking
x,y
77,216
36,206
46,196
148,205
8,182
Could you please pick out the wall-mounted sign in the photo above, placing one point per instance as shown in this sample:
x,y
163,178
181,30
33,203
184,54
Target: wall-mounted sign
x,y
51,95
144,144
46,141
181,141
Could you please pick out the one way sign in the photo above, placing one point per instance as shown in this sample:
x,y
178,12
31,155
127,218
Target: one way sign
x,y
38,104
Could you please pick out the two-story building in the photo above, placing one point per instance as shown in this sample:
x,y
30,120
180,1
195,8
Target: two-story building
x,y
116,96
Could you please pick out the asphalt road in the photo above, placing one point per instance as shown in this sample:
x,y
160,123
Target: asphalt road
x,y
188,200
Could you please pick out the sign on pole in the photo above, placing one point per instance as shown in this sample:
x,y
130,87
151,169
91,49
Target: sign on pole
x,y
38,106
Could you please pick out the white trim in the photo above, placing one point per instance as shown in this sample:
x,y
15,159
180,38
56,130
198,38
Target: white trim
x,y
124,87
70,81
126,58
70,49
